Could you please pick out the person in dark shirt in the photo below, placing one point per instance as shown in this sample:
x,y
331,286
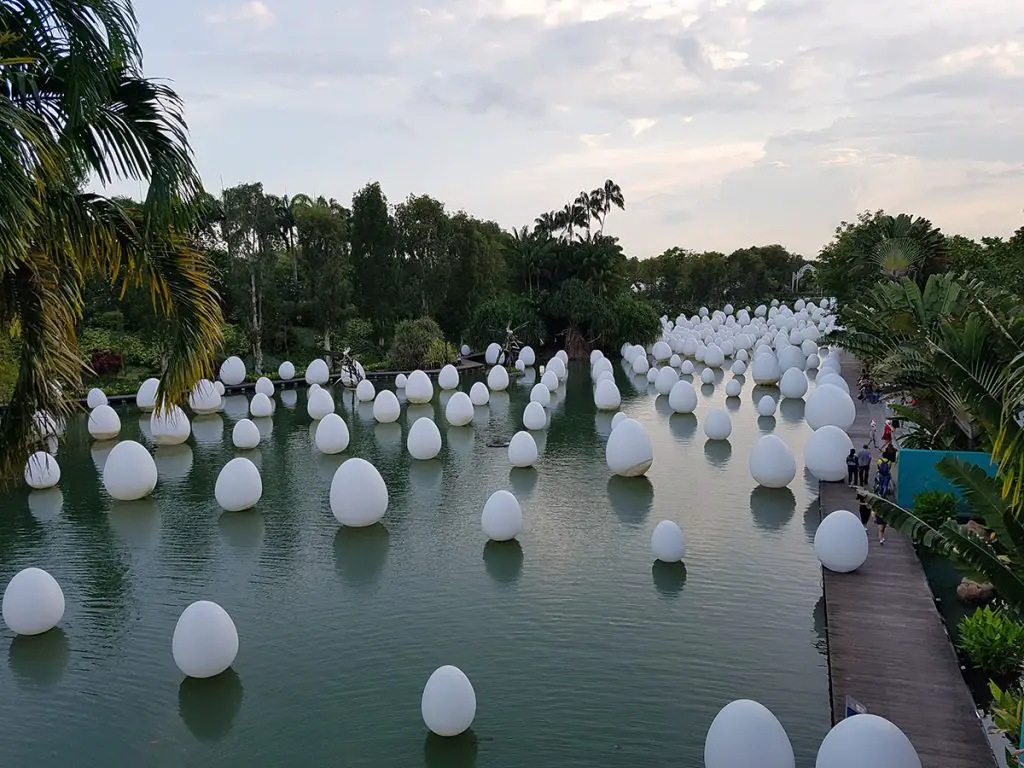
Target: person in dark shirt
x,y
864,509
864,465
889,452
851,467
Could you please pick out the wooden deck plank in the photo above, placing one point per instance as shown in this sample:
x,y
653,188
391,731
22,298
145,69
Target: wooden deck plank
x,y
888,647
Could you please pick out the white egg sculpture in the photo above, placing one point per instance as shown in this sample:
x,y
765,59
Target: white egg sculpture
x,y
683,397
265,386
492,353
618,418
665,380
286,371
386,408
480,394
465,351
793,384
601,365
652,375
528,356
232,371
668,543
535,417
766,406
95,398
765,369
317,372
204,397
129,472
733,388
332,434
707,376
607,396
260,407
841,542
145,398
33,602
365,391
640,365
319,403
219,386
713,356
245,436
41,471
629,452
448,704
170,427
813,361
401,380
104,423
687,369
448,378
557,366
205,640
746,733
497,379
522,450
424,441
239,486
739,368
772,463
502,518
661,351
717,425
540,394
419,389
359,496
459,410
829,405
825,453
550,380
866,740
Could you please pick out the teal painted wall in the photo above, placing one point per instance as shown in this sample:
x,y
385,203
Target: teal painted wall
x,y
916,472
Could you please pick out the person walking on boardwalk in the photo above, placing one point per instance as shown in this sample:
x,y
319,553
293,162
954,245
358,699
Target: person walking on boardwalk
x,y
873,434
887,432
863,508
851,467
864,465
883,477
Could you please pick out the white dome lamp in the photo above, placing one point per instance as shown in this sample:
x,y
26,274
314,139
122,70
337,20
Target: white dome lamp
x,y
261,406
245,436
745,732
205,641
319,403
459,411
607,396
522,450
829,405
497,379
825,453
793,384
683,397
359,496
766,406
535,417
717,425
666,378
540,394
448,378
95,398
232,371
866,740
33,602
668,542
448,704
239,486
286,371
264,386
317,372
419,389
145,398
841,543
386,408
170,427
129,472
528,356
401,380
629,452
41,471
104,423
332,435
365,391
424,441
772,464
479,394
502,518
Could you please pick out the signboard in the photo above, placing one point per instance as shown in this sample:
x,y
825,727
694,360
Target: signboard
x,y
854,707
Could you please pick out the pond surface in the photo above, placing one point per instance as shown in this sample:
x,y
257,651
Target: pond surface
x,y
582,653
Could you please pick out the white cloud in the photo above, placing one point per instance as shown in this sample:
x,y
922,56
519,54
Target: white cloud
x,y
254,12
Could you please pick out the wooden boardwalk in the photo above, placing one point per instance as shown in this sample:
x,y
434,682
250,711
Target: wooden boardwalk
x,y
887,645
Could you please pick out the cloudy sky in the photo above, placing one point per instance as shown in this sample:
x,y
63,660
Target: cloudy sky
x,y
726,122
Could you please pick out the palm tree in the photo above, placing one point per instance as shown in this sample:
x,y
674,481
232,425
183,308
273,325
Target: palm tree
x,y
74,105
604,198
582,203
546,223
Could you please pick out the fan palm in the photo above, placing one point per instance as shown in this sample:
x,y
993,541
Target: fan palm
x,y
73,104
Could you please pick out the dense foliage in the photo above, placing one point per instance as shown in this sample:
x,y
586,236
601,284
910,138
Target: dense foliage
x,y
992,641
935,507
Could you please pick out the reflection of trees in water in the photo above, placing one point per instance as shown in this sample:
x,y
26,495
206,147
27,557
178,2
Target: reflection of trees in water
x,y
504,561
632,498
208,707
39,661
772,508
457,752
669,578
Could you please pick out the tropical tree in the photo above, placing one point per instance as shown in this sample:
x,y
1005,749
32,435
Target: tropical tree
x,y
74,105
603,199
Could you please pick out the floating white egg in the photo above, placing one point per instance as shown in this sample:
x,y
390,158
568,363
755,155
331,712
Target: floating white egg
x,y
129,472
713,356
359,496
629,452
33,602
332,434
104,423
245,436
793,384
386,408
239,486
145,398
448,704
772,463
492,353
502,518
640,365
668,542
675,361
448,378
319,403
765,369
825,453
419,389
618,418
232,371
522,450
829,405
401,380
707,376
813,361
424,441
170,427
205,641
264,386
790,357
528,356
766,406
661,351
607,396
733,388
717,425
219,386
557,366
746,733
497,379
540,394
535,417
665,380
286,371
550,380
866,740
479,394
261,406
317,372
459,410
95,398
841,542
602,365
739,368
652,375
683,397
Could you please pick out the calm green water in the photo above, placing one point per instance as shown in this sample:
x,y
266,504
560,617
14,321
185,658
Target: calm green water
x,y
581,652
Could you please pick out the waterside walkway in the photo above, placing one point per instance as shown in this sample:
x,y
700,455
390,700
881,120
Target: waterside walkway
x,y
888,648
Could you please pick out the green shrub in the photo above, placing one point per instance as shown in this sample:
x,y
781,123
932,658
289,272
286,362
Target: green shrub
x,y
9,351
992,641
633,320
359,337
440,353
492,317
111,321
133,349
412,341
1007,711
935,507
